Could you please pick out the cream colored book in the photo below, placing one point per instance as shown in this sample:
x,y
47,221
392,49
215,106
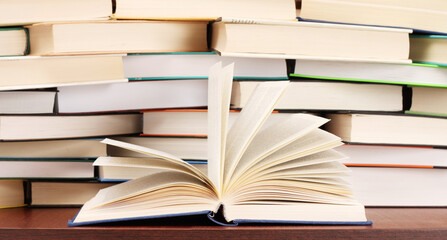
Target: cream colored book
x,y
27,102
66,148
286,172
67,126
429,15
12,193
21,12
98,37
429,101
327,95
394,129
204,9
307,40
429,49
13,41
62,193
46,72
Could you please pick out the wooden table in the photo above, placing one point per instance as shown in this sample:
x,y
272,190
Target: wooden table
x,y
388,223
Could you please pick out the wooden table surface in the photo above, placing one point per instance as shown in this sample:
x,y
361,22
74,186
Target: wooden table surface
x,y
388,223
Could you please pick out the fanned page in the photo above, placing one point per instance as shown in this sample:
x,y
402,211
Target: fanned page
x,y
219,95
259,107
180,189
161,194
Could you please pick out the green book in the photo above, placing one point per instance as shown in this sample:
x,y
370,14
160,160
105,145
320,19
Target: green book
x,y
428,75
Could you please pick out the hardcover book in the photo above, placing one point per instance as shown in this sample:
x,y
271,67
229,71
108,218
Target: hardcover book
x,y
399,186
13,41
306,40
133,96
428,49
208,10
402,74
22,12
431,14
58,168
327,96
16,128
27,102
102,37
286,172
393,129
62,193
428,101
65,148
195,65
12,193
47,72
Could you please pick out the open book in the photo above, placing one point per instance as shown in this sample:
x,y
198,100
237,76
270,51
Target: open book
x,y
284,171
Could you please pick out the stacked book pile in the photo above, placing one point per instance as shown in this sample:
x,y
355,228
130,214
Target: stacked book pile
x,y
73,73
398,149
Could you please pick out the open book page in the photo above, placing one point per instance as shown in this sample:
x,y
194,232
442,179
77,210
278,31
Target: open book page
x,y
316,158
162,155
259,107
297,183
141,162
165,193
313,142
275,136
219,95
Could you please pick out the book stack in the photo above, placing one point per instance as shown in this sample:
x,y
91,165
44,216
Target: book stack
x,y
397,156
148,75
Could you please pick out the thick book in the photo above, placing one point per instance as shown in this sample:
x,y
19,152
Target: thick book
x,y
12,193
300,172
30,127
428,49
430,14
314,41
361,155
389,129
62,193
195,65
133,96
399,186
13,41
21,12
187,122
65,148
62,168
402,74
97,37
27,102
46,72
208,10
327,96
428,101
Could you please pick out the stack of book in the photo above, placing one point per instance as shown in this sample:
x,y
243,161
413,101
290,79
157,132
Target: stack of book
x,y
397,156
76,72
